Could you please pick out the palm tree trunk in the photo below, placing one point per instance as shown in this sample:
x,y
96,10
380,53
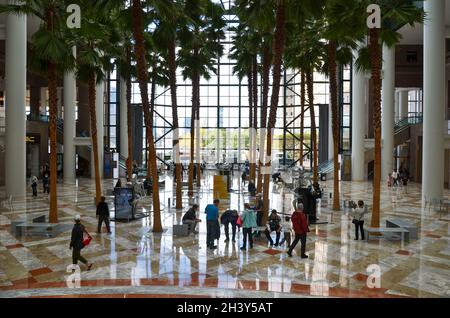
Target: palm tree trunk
x,y
129,121
176,142
197,117
278,57
265,96
53,214
250,120
195,84
302,114
93,115
142,76
152,109
332,47
376,62
310,79
255,115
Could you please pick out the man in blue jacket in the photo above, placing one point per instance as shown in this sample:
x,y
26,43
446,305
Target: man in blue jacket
x,y
212,223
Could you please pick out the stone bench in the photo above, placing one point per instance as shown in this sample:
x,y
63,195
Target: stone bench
x,y
36,219
413,231
36,228
180,230
397,230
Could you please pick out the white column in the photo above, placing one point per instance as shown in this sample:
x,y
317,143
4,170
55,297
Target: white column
x,y
70,99
403,104
43,101
123,119
387,113
358,123
434,97
99,108
15,87
397,107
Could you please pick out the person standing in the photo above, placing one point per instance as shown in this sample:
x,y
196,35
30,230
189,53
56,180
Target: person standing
x,y
103,215
212,223
76,243
46,181
34,184
300,226
248,223
358,212
230,217
190,218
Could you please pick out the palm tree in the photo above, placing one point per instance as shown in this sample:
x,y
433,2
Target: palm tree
x,y
52,54
170,19
96,47
278,50
142,76
200,50
394,14
244,51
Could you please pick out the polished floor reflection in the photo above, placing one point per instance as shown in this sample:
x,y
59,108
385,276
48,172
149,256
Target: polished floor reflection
x,y
134,262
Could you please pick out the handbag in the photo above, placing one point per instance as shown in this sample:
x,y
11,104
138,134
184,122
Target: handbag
x,y
239,221
355,221
86,239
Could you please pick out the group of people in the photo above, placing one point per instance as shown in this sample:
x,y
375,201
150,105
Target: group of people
x,y
250,220
45,172
397,178
357,215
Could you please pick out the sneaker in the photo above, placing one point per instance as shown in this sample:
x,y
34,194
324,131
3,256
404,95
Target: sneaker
x,y
304,256
289,253
227,240
234,241
276,245
89,266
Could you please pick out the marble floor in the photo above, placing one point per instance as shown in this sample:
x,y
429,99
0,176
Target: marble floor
x,y
134,262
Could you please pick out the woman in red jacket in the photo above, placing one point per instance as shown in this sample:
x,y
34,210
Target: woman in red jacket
x,y
300,226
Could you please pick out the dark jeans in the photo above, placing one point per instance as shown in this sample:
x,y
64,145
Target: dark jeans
x,y
76,256
210,232
47,187
247,231
359,226
101,219
302,239
259,216
233,229
269,238
34,187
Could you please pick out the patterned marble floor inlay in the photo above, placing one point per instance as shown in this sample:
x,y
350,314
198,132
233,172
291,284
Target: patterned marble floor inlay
x,y
135,262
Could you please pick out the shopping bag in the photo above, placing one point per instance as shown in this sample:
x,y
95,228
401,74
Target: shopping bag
x,y
86,239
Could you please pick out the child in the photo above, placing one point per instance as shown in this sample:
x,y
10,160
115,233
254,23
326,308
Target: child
x,y
34,183
287,227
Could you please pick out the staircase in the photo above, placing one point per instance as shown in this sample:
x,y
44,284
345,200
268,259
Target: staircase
x,y
402,129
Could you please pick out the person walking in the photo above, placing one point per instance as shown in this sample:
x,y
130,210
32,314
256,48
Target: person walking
x,y
248,223
34,184
190,218
76,243
230,217
212,223
300,226
286,226
357,214
103,215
